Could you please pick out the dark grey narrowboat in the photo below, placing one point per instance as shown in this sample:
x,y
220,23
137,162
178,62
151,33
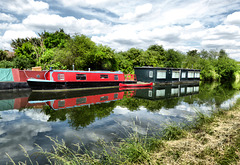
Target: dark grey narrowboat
x,y
166,75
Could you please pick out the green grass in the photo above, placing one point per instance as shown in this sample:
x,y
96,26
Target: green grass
x,y
173,132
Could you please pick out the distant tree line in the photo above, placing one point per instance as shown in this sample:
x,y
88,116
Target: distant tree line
x,y
61,51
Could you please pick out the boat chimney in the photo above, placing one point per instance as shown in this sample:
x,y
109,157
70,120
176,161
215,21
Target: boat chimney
x,y
89,69
73,66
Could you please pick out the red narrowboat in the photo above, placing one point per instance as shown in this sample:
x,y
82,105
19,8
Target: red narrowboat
x,y
73,79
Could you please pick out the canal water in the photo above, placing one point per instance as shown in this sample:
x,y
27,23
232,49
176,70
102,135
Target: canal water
x,y
27,118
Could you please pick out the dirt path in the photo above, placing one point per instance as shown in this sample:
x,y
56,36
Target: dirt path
x,y
216,143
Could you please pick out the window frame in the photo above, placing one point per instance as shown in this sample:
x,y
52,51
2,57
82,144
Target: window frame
x,y
184,74
150,74
161,76
61,76
103,76
175,74
116,77
81,77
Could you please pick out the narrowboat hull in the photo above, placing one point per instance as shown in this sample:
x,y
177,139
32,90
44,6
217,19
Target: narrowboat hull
x,y
37,85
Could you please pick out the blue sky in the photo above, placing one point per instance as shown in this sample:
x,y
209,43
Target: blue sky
x,y
122,24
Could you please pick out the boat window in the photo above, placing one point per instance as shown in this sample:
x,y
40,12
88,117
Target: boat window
x,y
183,90
190,74
183,74
160,93
161,74
196,89
175,74
61,103
149,93
103,98
174,91
81,76
60,76
150,74
197,74
81,100
103,76
115,77
189,89
115,95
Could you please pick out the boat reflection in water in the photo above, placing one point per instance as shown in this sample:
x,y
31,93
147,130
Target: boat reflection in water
x,y
168,91
64,100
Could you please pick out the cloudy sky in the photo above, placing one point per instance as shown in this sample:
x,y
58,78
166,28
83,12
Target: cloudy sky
x,y
122,24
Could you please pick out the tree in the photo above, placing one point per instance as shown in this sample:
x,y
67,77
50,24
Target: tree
x,y
157,56
25,56
222,54
192,59
103,59
173,59
226,67
20,41
56,39
78,51
3,55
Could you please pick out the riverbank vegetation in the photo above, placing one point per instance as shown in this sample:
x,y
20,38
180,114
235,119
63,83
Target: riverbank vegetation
x,y
61,51
210,139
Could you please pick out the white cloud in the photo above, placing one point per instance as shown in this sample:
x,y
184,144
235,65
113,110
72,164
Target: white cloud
x,y
24,6
220,43
69,24
7,17
14,34
84,2
233,19
139,11
195,25
36,114
15,31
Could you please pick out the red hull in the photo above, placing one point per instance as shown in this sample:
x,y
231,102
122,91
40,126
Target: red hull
x,y
136,85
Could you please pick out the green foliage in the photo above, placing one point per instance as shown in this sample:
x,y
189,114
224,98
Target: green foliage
x,y
56,39
7,64
226,68
174,59
103,59
22,63
3,55
208,72
79,51
20,41
156,55
123,63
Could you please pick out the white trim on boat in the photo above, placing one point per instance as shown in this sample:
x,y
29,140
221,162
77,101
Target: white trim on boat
x,y
39,80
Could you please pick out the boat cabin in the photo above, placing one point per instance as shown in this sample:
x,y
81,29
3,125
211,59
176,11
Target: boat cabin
x,y
76,76
166,75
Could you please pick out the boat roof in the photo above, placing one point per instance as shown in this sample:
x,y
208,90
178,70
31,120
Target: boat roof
x,y
82,71
151,67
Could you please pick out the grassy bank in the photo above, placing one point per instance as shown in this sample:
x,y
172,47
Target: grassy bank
x,y
211,139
